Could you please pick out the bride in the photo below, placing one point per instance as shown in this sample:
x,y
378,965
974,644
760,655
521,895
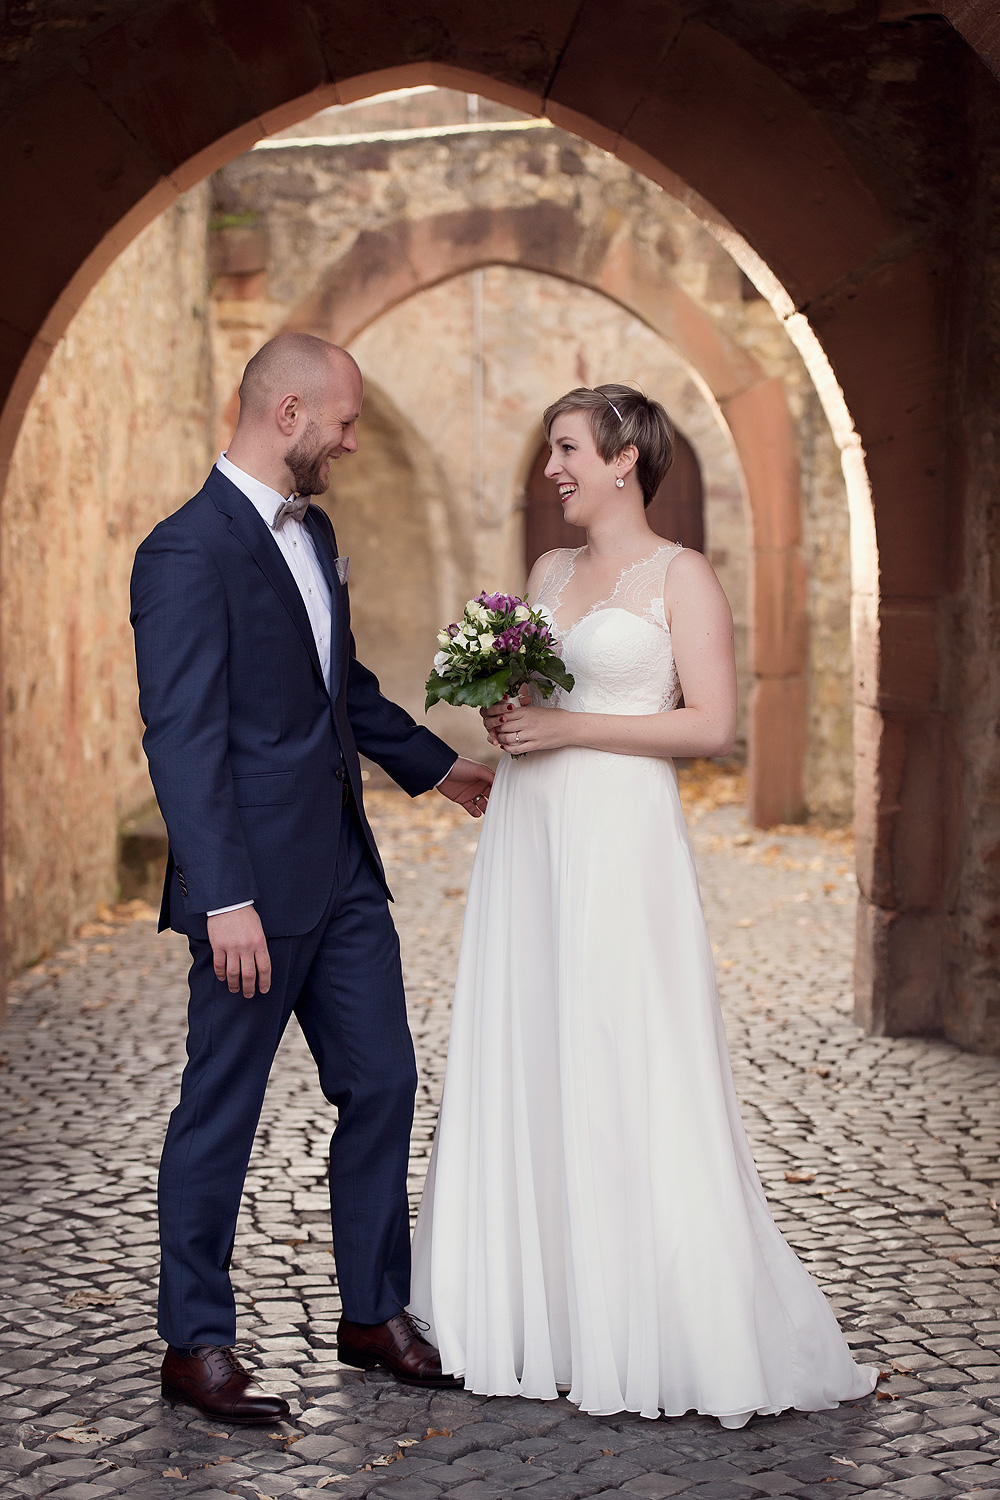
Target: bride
x,y
593,1221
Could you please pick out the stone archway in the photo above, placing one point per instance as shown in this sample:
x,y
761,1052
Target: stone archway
x,y
108,122
384,268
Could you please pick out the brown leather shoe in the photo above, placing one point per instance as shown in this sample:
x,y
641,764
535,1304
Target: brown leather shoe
x,y
398,1346
212,1379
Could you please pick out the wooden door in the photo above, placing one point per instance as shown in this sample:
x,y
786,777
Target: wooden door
x,y
676,512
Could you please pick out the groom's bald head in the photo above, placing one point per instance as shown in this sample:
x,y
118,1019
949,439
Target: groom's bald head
x,y
299,401
296,364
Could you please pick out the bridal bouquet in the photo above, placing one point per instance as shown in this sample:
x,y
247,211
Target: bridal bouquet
x,y
499,645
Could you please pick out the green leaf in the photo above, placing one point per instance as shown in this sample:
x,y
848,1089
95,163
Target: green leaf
x,y
436,690
483,691
480,692
557,673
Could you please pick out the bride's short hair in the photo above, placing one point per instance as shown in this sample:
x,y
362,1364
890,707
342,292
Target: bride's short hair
x,y
622,418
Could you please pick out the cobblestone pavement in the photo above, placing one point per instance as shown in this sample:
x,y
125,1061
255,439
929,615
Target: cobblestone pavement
x,y
879,1158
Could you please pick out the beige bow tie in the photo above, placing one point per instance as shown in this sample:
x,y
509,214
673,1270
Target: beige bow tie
x,y
295,507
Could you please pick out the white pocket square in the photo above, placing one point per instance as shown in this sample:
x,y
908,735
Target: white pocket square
x,y
343,568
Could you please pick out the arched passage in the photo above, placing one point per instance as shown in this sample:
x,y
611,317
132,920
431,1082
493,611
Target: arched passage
x,y
384,268
107,123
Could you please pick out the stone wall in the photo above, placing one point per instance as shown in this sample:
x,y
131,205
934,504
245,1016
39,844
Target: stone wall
x,y
971,852
117,435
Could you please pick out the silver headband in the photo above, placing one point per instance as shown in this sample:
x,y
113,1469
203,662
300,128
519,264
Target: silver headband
x,y
612,405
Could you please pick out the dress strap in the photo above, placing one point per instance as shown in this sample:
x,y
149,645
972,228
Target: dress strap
x,y
557,574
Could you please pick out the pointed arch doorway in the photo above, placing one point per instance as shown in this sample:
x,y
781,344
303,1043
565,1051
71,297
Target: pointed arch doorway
x,y
676,511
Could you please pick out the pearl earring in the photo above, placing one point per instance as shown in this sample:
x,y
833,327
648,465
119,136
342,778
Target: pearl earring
x,y
620,483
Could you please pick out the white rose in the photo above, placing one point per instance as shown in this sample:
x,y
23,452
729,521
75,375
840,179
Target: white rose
x,y
487,642
443,638
522,612
441,662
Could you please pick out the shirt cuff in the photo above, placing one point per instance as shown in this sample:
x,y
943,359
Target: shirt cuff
x,y
221,910
448,772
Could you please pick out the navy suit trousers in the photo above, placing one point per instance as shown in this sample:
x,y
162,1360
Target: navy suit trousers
x,y
343,983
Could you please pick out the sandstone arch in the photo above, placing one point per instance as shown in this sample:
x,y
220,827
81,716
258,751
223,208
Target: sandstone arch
x,y
385,267
108,122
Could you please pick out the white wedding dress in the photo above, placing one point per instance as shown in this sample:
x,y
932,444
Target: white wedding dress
x,y
593,1220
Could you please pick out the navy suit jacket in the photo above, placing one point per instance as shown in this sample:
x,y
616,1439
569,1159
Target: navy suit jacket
x,y
247,749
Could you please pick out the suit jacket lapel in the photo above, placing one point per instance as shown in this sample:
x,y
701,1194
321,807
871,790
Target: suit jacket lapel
x,y
247,525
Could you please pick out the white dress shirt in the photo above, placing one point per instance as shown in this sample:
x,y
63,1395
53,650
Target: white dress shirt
x,y
297,548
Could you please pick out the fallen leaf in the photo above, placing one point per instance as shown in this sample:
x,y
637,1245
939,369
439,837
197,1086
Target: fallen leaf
x,y
173,1474
406,1442
847,1462
74,1435
214,1463
384,1461
83,1297
900,1368
607,1453
885,1396
800,1176
437,1432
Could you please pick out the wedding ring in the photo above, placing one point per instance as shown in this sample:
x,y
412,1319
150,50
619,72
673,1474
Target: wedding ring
x,y
517,736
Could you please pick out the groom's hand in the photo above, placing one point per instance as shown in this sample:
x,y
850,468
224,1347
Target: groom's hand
x,y
468,783
239,951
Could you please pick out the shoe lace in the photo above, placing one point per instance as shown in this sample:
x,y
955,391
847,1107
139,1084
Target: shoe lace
x,y
230,1358
415,1327
233,1362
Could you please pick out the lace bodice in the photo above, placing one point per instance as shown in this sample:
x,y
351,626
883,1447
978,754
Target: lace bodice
x,y
619,651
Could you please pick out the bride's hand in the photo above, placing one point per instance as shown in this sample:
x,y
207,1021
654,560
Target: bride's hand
x,y
491,716
526,728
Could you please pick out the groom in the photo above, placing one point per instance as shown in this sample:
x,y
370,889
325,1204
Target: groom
x,y
255,709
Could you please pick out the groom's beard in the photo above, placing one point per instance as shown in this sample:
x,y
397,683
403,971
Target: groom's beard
x,y
305,462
